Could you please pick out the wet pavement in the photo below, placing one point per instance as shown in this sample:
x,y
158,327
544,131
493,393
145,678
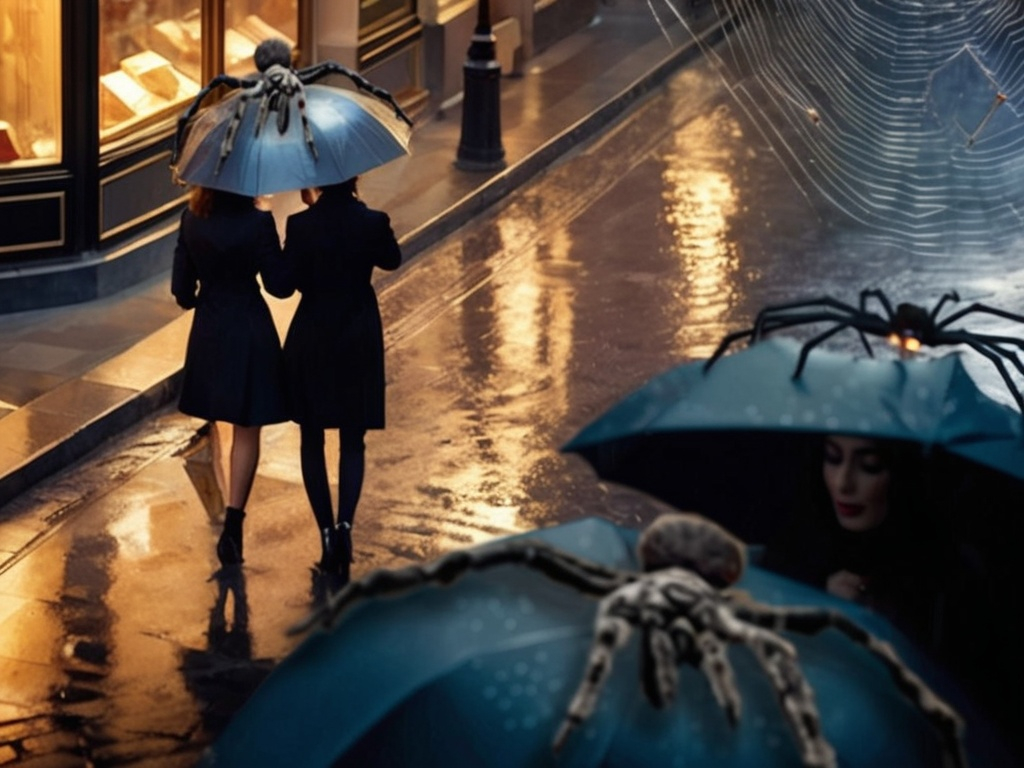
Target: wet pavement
x,y
120,644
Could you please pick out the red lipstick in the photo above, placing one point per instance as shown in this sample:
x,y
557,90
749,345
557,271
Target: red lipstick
x,y
848,510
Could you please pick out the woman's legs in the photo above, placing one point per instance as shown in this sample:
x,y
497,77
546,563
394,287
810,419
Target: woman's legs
x,y
318,491
245,455
351,469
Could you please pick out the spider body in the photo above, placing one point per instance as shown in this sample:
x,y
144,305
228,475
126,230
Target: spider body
x,y
685,611
277,86
908,327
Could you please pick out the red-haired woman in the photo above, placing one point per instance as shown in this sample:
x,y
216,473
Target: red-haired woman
x,y
233,364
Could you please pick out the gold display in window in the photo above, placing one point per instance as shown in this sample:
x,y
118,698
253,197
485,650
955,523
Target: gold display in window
x,y
238,50
258,30
122,98
153,72
178,41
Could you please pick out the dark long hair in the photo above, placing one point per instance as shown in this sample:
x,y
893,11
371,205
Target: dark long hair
x,y
812,544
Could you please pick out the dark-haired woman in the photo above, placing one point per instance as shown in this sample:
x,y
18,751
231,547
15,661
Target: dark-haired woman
x,y
233,369
875,531
334,350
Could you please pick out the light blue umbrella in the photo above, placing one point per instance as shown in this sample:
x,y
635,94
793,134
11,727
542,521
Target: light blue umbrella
x,y
480,673
353,132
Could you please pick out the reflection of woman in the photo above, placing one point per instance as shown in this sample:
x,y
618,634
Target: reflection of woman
x,y
871,534
233,366
334,350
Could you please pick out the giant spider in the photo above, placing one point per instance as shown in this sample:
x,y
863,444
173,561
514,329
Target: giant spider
x,y
686,613
908,327
275,88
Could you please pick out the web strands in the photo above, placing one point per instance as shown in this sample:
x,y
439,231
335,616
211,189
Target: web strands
x,y
904,115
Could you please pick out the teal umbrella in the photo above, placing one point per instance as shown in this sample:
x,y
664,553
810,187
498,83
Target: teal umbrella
x,y
729,441
480,673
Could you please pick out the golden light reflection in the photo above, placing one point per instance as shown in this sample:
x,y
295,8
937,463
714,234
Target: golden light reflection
x,y
700,197
526,349
132,531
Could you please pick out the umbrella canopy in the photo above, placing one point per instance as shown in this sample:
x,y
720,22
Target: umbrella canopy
x,y
481,672
353,133
727,442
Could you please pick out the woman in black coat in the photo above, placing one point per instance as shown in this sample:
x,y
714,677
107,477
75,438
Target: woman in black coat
x,y
234,369
334,350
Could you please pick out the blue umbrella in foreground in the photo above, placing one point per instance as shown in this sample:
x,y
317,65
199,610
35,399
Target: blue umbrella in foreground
x,y
726,442
482,672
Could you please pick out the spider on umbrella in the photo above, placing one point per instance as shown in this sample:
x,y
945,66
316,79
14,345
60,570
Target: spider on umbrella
x,y
907,327
687,614
276,87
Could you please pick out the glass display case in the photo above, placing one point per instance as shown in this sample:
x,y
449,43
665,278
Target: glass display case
x,y
150,61
375,14
30,82
247,23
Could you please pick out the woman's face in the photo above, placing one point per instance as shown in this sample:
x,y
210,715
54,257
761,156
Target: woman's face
x,y
857,479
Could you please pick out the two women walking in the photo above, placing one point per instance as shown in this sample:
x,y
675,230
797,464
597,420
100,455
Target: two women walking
x,y
330,373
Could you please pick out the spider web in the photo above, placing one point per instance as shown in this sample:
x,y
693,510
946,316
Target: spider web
x,y
905,115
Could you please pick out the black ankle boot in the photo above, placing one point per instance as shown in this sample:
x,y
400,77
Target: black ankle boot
x,y
229,545
344,551
330,556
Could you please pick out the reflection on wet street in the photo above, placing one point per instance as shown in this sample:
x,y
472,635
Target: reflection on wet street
x,y
635,253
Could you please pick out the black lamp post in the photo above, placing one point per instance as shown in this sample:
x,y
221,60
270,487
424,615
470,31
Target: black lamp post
x,y
480,146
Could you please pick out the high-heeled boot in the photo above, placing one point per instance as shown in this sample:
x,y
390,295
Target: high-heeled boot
x,y
229,545
330,549
344,551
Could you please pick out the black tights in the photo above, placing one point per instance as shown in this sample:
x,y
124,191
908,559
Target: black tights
x,y
351,467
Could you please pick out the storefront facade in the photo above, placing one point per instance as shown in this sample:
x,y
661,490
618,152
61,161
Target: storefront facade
x,y
90,91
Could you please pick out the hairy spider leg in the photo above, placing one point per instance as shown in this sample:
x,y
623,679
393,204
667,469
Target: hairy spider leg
x,y
805,350
811,621
989,347
219,80
236,120
586,576
767,322
725,344
862,322
325,68
611,633
709,655
876,293
976,307
796,698
948,296
825,301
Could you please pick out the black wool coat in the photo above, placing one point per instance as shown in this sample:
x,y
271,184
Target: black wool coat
x,y
234,368
334,349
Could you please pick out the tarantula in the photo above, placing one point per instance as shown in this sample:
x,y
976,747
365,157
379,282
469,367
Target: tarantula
x,y
908,327
276,87
687,614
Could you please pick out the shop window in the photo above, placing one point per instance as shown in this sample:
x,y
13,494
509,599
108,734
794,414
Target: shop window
x,y
30,82
247,23
376,14
150,61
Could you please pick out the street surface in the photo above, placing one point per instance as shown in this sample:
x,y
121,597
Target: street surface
x,y
637,252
